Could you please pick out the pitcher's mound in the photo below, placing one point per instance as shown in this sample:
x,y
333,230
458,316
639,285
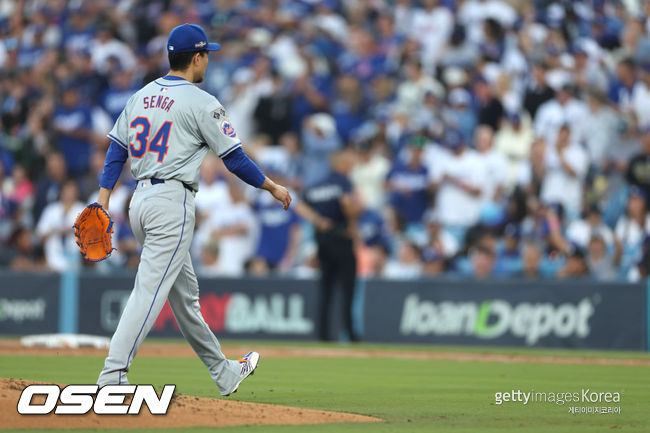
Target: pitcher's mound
x,y
184,411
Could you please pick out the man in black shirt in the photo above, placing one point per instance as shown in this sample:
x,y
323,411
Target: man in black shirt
x,y
489,108
539,91
334,210
638,170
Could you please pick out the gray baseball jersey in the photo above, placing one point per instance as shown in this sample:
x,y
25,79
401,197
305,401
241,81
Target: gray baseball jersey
x,y
168,126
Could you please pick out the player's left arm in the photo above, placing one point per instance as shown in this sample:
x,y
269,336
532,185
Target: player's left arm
x,y
220,135
238,163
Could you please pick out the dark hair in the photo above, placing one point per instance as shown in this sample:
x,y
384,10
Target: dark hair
x,y
181,61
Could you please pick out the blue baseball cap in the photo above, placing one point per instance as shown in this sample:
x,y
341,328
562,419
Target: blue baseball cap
x,y
189,38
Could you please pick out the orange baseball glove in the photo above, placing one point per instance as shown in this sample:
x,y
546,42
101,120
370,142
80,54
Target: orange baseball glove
x,y
92,230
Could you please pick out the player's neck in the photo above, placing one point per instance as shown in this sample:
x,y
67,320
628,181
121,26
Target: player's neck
x,y
187,75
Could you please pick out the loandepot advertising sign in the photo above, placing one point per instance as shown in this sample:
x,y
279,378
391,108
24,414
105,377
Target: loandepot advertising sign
x,y
495,318
506,313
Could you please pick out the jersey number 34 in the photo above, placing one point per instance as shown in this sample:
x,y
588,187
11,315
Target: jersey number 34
x,y
158,143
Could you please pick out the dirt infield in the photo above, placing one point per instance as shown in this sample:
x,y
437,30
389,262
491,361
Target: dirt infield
x,y
183,350
184,411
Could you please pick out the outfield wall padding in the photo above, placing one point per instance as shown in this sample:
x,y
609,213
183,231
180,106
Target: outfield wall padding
x,y
569,314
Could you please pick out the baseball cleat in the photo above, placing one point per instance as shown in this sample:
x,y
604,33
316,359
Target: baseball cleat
x,y
248,364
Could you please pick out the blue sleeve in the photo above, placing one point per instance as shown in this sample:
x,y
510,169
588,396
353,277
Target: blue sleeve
x,y
115,159
238,163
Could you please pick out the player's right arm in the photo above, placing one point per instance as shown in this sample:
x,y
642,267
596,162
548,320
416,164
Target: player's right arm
x,y
217,131
116,156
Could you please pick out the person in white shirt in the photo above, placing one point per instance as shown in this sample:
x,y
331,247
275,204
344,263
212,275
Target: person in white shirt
x,y
458,199
581,231
566,165
562,109
369,173
514,140
236,231
55,228
641,96
494,165
431,27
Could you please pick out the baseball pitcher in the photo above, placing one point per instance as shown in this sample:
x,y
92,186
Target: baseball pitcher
x,y
165,130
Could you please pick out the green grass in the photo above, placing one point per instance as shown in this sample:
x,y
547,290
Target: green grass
x,y
410,395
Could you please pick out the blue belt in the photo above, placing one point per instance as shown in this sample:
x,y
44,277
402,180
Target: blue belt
x,y
155,181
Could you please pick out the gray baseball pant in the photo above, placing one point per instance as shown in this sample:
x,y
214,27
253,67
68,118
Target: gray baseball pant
x,y
162,219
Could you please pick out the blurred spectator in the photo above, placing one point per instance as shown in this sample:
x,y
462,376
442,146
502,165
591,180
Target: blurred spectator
x,y
439,239
565,171
118,93
408,185
514,141
598,145
531,257
319,140
407,265
539,91
235,231
433,263
483,262
581,231
213,195
55,228
575,265
641,96
348,107
72,123
279,231
508,262
492,178
49,184
21,253
459,188
562,110
489,108
631,228
369,172
106,47
461,114
601,260
638,169
273,111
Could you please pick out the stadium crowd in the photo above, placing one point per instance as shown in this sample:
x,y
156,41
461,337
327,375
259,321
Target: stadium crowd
x,y
486,138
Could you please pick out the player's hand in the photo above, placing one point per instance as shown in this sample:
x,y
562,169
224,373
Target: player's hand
x,y
282,194
279,192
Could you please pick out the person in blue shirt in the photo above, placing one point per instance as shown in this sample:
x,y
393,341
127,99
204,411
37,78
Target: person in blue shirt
x,y
349,107
118,93
408,184
279,230
73,126
508,252
371,228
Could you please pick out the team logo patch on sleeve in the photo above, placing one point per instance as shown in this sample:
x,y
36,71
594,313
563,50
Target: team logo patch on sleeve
x,y
227,129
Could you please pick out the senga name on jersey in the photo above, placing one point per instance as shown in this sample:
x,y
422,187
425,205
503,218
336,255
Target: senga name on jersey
x,y
157,101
